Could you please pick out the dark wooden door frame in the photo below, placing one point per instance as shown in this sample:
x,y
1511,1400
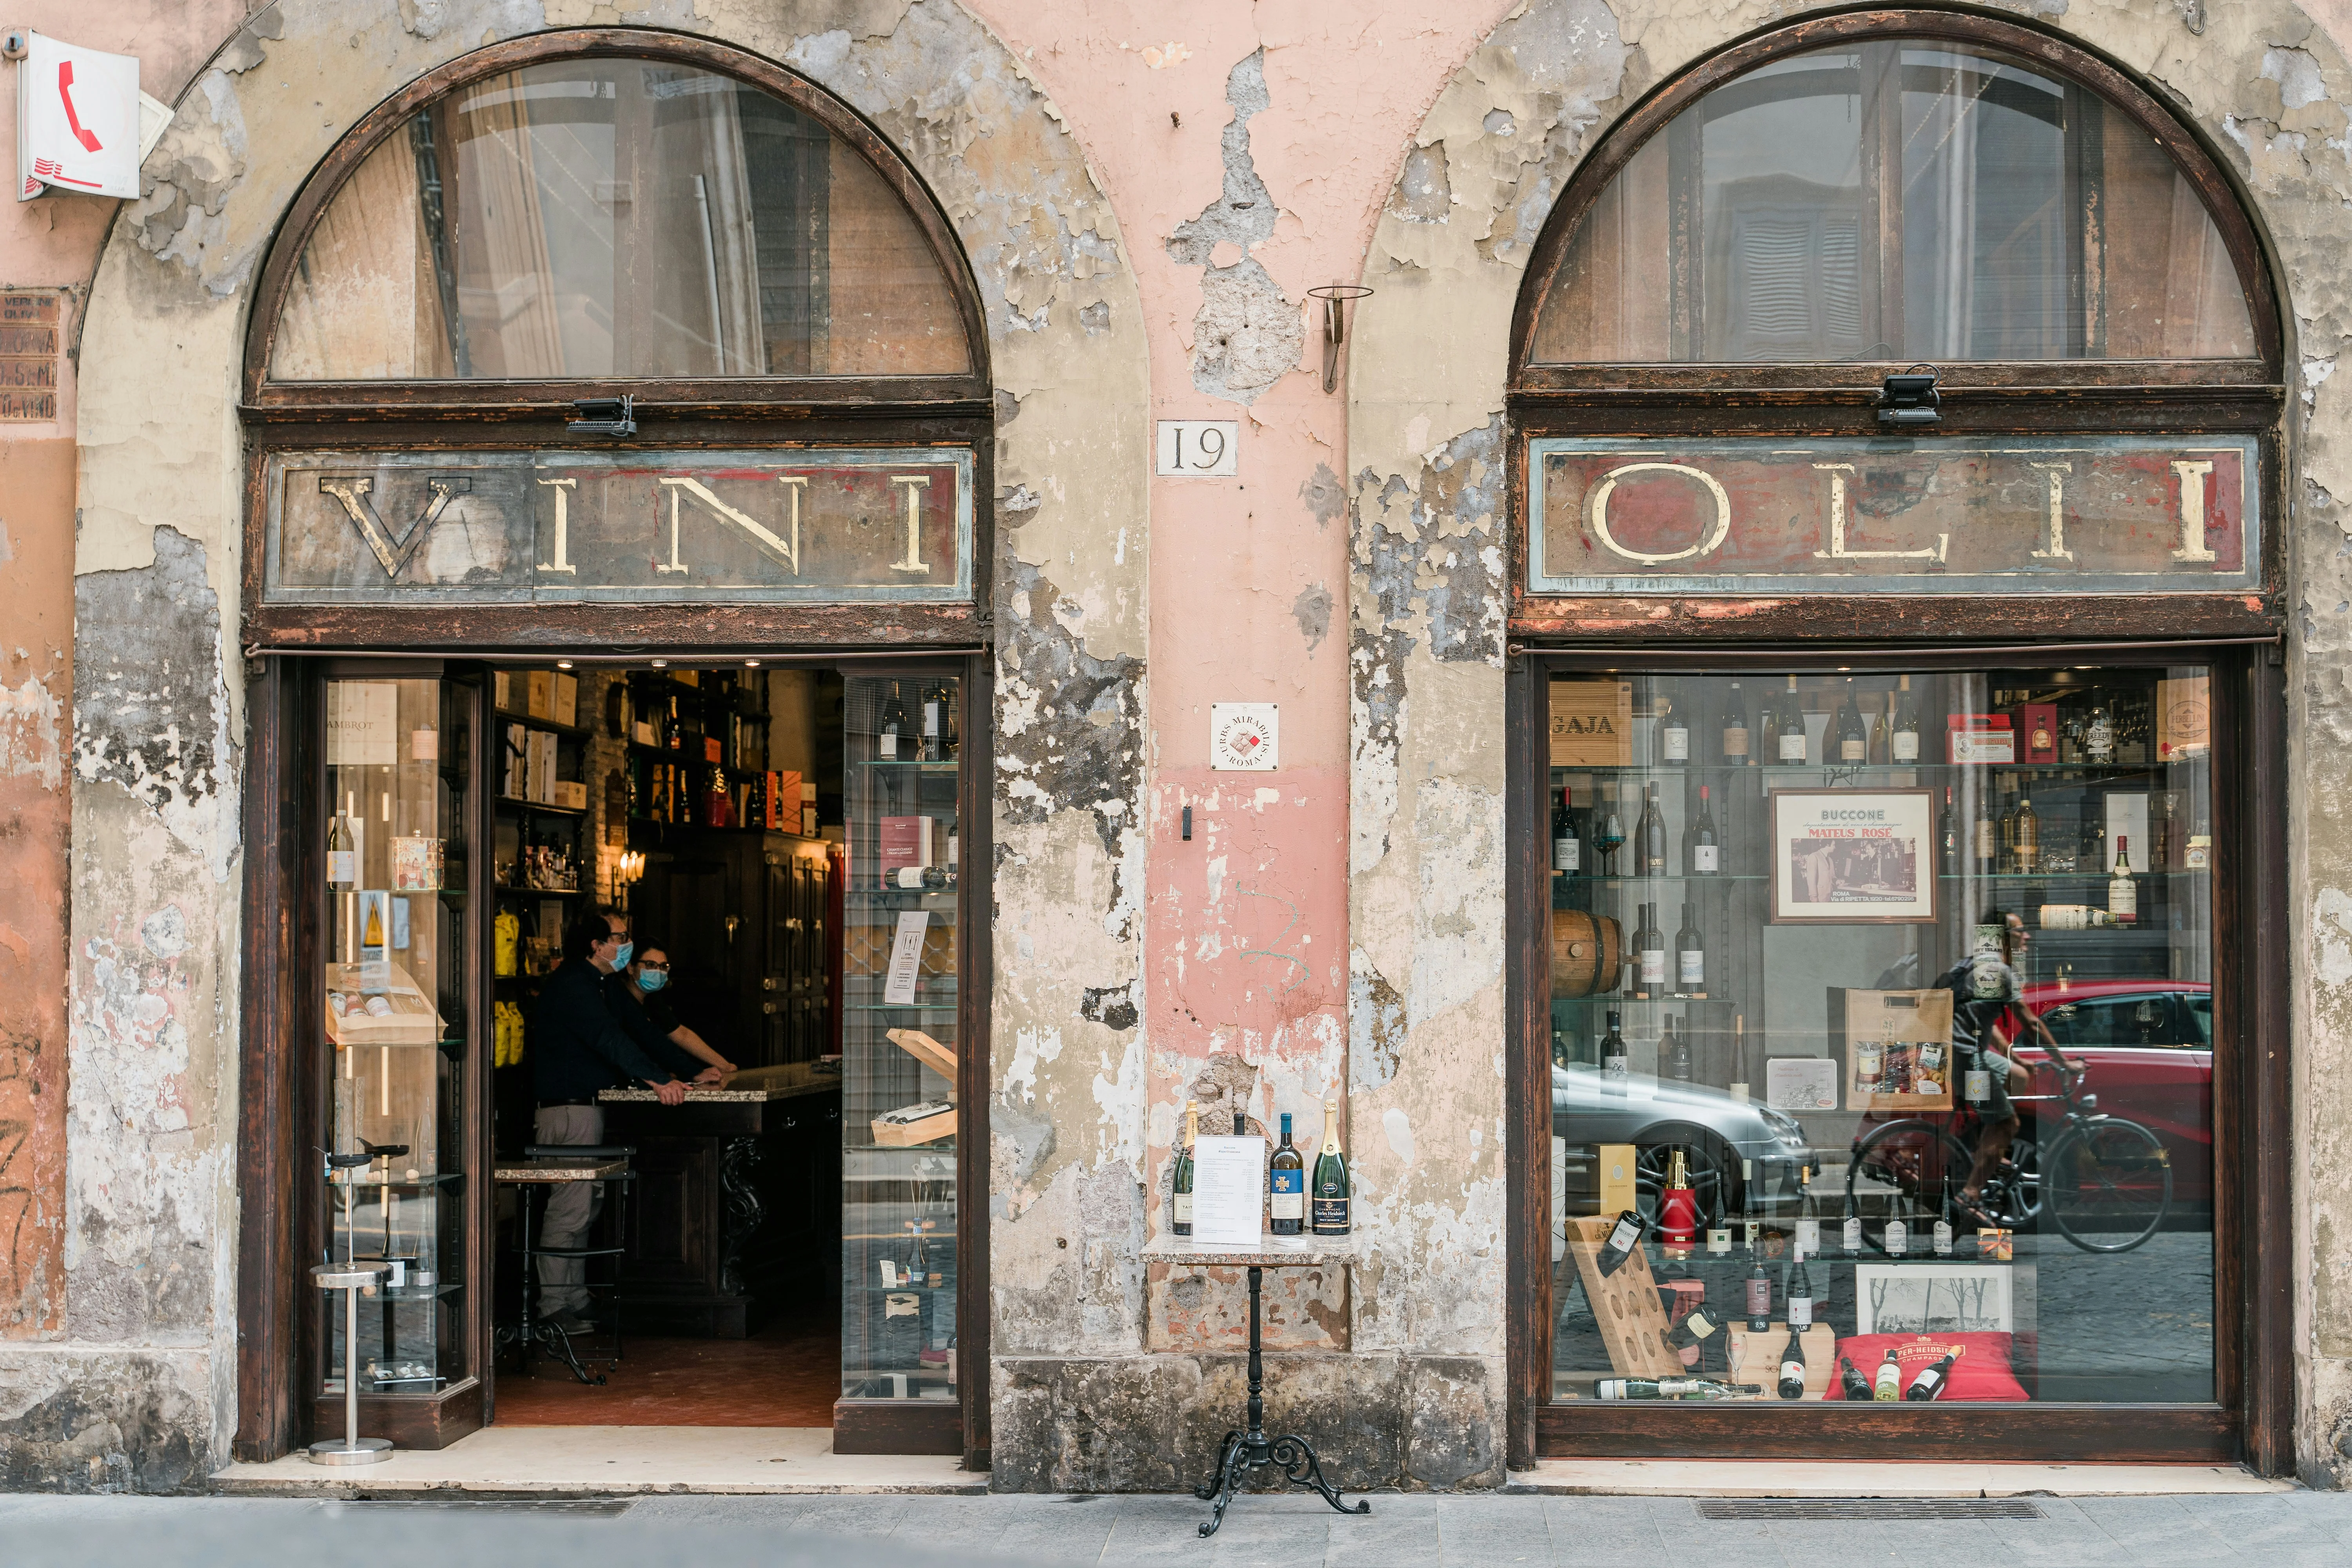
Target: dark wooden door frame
x,y
2253,1420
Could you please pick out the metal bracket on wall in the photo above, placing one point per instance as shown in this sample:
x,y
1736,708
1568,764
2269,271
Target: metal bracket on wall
x,y
1335,298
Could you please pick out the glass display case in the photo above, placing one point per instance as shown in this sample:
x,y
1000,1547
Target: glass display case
x,y
398,981
1881,1005
903,762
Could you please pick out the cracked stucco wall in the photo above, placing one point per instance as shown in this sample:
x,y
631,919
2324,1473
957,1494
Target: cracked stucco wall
x,y
158,715
2267,86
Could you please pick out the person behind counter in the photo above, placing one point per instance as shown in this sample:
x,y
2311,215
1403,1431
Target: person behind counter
x,y
640,995
578,1049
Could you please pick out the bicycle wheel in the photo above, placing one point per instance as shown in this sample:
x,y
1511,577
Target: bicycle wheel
x,y
2106,1185
1918,1159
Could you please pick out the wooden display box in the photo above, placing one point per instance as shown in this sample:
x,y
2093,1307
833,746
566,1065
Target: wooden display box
x,y
1592,723
1756,1358
1899,1023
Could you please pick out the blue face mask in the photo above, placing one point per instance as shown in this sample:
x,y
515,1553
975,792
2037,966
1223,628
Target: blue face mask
x,y
651,980
620,959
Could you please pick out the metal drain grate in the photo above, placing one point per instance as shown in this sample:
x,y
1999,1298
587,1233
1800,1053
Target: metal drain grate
x,y
1867,1508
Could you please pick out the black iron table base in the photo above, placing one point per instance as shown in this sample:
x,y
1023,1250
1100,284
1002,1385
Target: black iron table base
x,y
1245,1453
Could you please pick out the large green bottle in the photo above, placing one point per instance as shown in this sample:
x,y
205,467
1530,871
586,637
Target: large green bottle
x,y
1331,1187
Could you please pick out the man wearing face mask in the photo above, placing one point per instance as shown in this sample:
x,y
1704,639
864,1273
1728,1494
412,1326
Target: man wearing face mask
x,y
578,1049
640,998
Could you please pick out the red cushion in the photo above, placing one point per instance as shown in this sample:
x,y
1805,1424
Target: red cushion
x,y
1981,1373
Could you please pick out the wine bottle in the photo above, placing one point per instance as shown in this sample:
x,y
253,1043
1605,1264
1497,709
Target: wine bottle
x,y
1740,1057
1887,1385
1650,837
894,722
1650,957
2099,739
1703,845
1898,1233
1614,1066
1853,737
2028,837
1736,752
2197,855
1333,1189
342,855
1793,1358
1181,1201
1567,850
1697,1342
2123,893
1985,841
1759,1297
1852,1384
1792,727
1750,1225
1947,838
1677,1207
1617,1388
1677,1053
1673,733
1939,1239
1767,731
1881,728
1287,1179
934,699
1849,1229
1930,1381
1690,966
1809,1216
1624,1237
1903,743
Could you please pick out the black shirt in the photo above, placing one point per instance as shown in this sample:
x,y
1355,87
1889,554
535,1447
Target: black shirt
x,y
578,1045
650,1023
1983,988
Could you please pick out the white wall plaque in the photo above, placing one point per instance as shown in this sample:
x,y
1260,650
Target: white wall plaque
x,y
1199,448
1245,737
1228,1191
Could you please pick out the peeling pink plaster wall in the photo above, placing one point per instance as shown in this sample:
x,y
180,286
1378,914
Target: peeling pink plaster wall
x,y
1248,923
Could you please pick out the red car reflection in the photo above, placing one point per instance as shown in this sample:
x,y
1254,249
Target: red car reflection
x,y
2149,1044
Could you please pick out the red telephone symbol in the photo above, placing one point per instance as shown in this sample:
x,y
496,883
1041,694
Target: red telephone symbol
x,y
88,139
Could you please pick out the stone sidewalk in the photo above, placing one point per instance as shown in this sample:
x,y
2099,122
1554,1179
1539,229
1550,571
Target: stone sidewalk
x,y
2281,1529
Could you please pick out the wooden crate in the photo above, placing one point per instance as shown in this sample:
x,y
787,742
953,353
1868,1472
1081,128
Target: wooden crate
x,y
1760,1364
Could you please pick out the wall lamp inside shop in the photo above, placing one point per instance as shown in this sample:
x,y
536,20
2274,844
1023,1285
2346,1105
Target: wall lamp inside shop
x,y
1909,397
1335,298
603,416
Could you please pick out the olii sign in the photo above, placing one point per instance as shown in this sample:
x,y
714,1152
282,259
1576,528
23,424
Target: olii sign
x,y
1745,515
836,525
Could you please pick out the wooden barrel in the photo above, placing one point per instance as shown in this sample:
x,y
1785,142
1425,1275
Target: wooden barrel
x,y
1584,952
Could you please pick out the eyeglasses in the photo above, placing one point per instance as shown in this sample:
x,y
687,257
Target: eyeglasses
x,y
659,968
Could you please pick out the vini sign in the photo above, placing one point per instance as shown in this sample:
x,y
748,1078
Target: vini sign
x,y
2108,514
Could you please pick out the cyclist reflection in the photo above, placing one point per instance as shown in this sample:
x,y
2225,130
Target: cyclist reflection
x,y
1987,991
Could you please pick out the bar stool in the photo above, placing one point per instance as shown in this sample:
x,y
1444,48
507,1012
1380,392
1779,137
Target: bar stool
x,y
533,1330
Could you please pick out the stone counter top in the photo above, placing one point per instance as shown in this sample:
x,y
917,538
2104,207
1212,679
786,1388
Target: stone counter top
x,y
705,1094
557,1169
1271,1252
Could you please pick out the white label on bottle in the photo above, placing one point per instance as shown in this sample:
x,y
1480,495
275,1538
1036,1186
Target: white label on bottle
x,y
889,749
931,720
1735,743
1622,1239
1707,858
1677,745
2100,742
1852,1237
1907,745
1563,854
1653,964
1809,1236
1755,1233
1183,1208
1718,1239
1613,1067
1690,967
1792,746
1287,1206
2123,899
1759,1297
342,866
1801,1318
1853,750
1898,1238
1943,1240
1977,1085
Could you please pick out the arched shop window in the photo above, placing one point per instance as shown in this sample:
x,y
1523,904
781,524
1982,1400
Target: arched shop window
x,y
1897,407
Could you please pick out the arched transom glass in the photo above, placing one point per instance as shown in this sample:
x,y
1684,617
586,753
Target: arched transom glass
x,y
1895,200
591,218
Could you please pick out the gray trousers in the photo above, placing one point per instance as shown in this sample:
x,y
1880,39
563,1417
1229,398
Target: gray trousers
x,y
572,1208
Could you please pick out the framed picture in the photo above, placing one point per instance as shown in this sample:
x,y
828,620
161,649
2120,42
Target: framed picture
x,y
1934,1297
1850,857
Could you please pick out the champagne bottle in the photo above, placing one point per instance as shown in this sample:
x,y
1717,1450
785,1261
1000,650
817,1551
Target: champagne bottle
x,y
1287,1179
1852,1384
1792,727
1333,1189
1793,1358
1852,736
1929,1383
1677,1207
1624,1237
1567,848
1735,735
1649,953
1180,1203
1947,838
1617,1388
1703,845
1673,733
1690,964
342,856
2123,893
1903,743
1650,837
1887,1385
1678,1053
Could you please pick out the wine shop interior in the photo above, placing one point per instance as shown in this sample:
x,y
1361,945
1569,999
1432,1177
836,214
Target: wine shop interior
x,y
1882,1026
777,852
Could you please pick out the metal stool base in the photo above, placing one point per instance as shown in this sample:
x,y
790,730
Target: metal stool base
x,y
365,1451
550,1338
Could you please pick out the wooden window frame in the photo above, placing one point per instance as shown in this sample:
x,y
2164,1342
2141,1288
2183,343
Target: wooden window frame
x,y
2238,634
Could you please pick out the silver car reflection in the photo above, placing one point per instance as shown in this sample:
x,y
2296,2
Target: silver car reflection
x,y
1715,1131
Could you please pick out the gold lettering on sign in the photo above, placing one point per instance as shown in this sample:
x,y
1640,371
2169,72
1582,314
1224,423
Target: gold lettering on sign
x,y
2054,539
1837,550
1596,512
563,489
787,551
916,484
2192,510
391,553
